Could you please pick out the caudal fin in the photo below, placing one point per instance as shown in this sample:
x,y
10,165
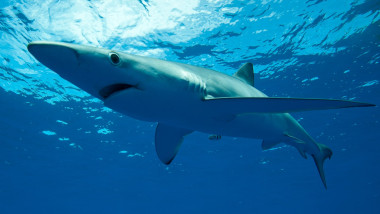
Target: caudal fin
x,y
325,152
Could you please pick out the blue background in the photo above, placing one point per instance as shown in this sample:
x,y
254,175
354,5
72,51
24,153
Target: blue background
x,y
61,151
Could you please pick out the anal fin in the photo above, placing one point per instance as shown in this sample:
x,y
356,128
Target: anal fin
x,y
268,144
298,144
168,140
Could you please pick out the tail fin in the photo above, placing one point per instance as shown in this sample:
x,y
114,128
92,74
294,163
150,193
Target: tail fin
x,y
325,152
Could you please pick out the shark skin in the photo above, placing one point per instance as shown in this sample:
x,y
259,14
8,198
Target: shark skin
x,y
183,98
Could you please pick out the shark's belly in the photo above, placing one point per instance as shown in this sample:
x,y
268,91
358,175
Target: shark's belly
x,y
187,110
258,126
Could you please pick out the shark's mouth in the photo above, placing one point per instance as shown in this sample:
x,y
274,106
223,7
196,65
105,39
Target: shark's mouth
x,y
112,89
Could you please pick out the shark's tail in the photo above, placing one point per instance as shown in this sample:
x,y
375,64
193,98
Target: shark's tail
x,y
325,152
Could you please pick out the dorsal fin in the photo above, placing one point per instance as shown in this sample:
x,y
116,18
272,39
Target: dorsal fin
x,y
245,73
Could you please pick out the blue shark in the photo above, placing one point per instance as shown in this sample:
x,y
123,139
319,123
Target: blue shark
x,y
184,98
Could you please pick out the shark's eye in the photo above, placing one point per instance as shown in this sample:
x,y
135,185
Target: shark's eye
x,y
114,58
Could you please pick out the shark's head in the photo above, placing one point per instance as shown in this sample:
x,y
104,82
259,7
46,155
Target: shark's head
x,y
98,71
126,83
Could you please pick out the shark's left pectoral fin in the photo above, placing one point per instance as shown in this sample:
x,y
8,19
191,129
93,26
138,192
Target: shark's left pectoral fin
x,y
168,140
242,105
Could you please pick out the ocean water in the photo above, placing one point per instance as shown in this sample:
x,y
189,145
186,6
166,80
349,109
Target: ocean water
x,y
62,151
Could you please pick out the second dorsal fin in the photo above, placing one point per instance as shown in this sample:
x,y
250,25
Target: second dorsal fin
x,y
245,73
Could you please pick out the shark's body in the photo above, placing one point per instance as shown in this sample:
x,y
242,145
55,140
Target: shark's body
x,y
184,98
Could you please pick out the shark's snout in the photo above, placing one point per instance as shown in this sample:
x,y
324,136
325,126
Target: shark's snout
x,y
59,57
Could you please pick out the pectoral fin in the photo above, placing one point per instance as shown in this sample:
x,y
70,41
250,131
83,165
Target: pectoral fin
x,y
241,105
168,140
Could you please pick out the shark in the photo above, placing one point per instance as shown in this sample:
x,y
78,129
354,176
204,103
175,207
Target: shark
x,y
183,98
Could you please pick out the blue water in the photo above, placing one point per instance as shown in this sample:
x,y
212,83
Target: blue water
x,y
61,151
